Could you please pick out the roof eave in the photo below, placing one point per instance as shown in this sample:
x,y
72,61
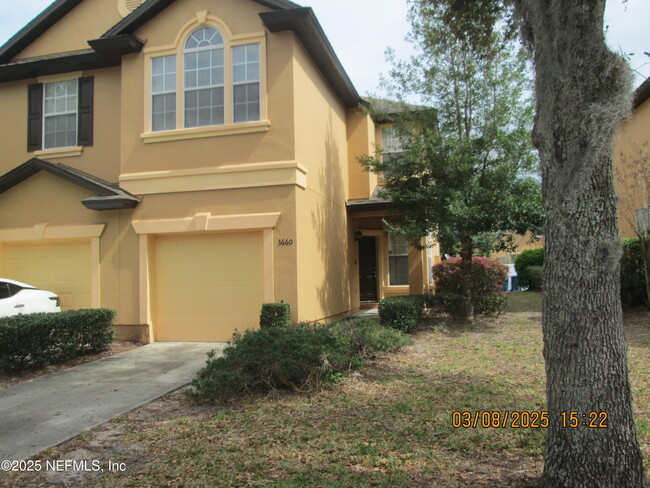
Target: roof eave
x,y
641,94
304,24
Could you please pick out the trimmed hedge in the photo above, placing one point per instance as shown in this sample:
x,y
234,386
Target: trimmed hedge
x,y
275,315
49,338
401,313
535,277
302,357
527,259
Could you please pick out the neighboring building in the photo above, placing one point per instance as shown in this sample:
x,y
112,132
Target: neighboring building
x,y
182,162
632,166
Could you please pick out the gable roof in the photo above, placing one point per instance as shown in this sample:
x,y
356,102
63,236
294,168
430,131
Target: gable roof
x,y
119,40
108,196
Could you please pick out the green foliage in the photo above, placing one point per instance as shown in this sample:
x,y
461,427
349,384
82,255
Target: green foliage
x,y
523,262
535,277
632,275
49,338
275,315
401,313
467,167
302,357
488,278
366,337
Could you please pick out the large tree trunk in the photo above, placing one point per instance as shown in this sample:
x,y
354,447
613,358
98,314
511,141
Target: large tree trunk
x,y
583,92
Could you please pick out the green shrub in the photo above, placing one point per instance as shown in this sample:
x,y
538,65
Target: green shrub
x,y
535,277
527,259
275,315
303,357
401,313
488,278
632,275
49,338
366,336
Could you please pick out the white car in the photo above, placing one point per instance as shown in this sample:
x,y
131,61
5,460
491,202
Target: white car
x,y
18,298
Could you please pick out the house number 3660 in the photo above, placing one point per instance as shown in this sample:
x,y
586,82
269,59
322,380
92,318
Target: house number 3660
x,y
285,242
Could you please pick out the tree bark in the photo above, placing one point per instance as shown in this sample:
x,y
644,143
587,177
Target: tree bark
x,y
466,254
583,93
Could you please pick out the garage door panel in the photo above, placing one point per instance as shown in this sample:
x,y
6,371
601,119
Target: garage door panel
x,y
206,286
61,267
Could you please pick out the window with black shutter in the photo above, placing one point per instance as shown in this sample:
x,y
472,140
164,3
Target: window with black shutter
x,y
60,114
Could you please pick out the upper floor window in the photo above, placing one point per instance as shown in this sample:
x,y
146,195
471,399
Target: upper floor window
x,y
219,84
204,78
391,142
60,114
398,261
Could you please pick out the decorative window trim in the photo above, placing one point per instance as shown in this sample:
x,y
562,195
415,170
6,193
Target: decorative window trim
x,y
59,152
202,19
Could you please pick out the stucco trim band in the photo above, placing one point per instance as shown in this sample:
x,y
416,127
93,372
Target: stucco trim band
x,y
205,222
221,178
46,231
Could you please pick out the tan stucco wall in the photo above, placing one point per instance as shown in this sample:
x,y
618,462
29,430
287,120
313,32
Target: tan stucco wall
x,y
632,144
361,135
323,243
101,159
45,198
276,144
88,20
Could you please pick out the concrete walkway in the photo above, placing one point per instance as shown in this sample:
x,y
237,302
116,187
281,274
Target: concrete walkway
x,y
42,413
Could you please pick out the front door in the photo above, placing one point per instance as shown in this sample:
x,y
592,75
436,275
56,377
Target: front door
x,y
368,269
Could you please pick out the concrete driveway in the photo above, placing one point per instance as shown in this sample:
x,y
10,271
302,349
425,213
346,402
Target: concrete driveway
x,y
42,413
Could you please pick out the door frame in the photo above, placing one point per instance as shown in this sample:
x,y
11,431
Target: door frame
x,y
379,249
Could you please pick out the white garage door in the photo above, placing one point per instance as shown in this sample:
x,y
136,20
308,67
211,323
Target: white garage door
x,y
62,267
207,286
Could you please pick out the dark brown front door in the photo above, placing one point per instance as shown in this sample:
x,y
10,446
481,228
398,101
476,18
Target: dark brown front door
x,y
368,269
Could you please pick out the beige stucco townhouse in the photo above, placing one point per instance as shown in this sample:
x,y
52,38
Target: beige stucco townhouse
x,y
183,162
632,166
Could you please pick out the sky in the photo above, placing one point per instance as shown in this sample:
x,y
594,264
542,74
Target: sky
x,y
361,30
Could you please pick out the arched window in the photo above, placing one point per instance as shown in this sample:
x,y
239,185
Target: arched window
x,y
203,57
207,79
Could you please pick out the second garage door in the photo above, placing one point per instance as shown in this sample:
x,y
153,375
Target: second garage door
x,y
206,286
60,267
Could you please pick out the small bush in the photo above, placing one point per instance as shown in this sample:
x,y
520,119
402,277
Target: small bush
x,y
275,315
302,357
527,259
488,278
632,275
401,313
49,338
535,277
366,336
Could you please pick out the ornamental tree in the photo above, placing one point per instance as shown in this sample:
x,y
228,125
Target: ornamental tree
x,y
468,166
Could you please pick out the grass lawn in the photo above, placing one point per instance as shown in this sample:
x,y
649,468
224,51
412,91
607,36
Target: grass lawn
x,y
388,426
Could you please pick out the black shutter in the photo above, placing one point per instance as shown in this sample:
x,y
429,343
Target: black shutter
x,y
34,117
85,134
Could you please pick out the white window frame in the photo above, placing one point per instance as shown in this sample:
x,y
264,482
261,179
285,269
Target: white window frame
x,y
55,114
163,92
391,254
200,49
390,141
246,82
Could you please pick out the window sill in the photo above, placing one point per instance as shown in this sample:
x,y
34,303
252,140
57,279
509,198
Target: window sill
x,y
59,152
201,132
